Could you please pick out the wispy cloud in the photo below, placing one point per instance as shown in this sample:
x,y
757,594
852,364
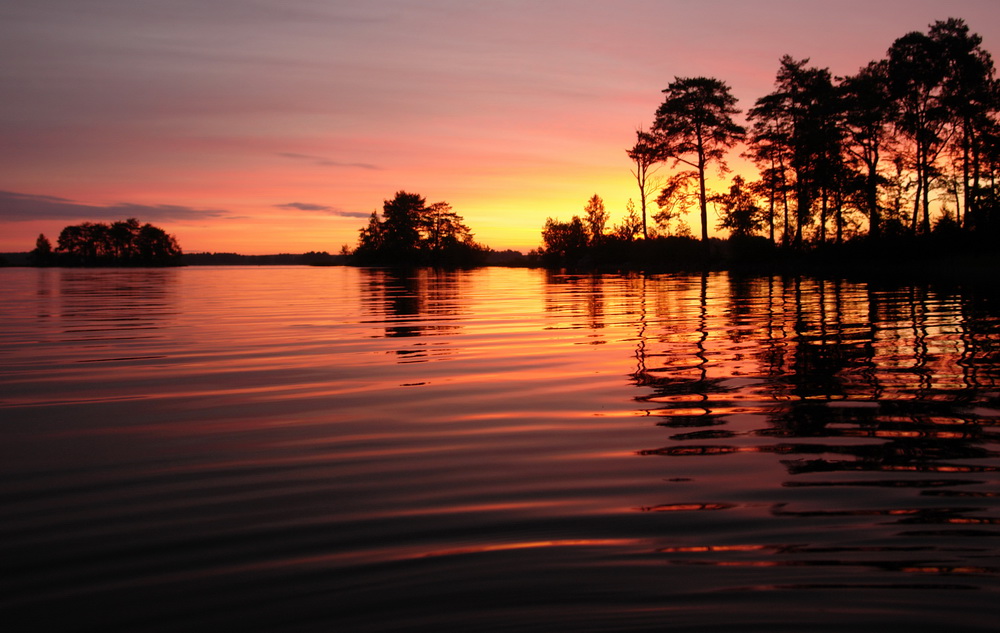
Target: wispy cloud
x,y
26,207
326,162
322,208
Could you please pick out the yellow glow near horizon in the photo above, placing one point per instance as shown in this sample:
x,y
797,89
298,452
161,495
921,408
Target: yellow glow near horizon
x,y
508,211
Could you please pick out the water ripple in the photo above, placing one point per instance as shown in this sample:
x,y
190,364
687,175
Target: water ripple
x,y
352,449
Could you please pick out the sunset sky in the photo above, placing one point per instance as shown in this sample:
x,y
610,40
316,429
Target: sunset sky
x,y
267,126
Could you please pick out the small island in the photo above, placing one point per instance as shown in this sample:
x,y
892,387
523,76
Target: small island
x,y
122,243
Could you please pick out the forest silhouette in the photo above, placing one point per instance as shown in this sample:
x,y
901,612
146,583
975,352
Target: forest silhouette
x,y
897,161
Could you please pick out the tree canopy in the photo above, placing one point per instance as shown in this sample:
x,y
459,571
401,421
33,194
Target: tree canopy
x,y
844,156
695,126
122,243
413,233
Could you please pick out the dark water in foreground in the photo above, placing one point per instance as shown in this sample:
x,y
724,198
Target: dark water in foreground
x,y
348,450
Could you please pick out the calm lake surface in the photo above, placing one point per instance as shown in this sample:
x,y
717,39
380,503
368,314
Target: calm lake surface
x,y
343,449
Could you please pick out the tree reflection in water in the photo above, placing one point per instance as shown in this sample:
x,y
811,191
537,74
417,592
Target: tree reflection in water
x,y
862,414
848,386
414,303
820,348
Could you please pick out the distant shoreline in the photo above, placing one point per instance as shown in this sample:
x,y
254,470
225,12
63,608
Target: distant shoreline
x,y
980,266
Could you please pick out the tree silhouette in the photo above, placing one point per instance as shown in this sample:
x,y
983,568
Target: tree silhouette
x,y
795,122
403,216
631,224
565,242
916,80
970,97
676,197
769,149
412,233
647,154
42,254
596,219
695,125
867,112
123,238
153,246
371,240
740,213
124,243
443,228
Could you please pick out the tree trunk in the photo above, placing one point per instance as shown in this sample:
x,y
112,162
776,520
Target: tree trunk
x,y
973,200
966,158
770,216
927,198
642,201
785,239
773,195
874,215
802,204
823,211
916,197
838,214
703,197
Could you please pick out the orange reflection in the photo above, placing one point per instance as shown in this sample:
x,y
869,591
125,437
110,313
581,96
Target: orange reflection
x,y
688,507
501,547
941,569
702,549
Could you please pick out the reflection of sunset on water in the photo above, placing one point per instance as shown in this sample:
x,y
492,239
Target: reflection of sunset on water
x,y
571,448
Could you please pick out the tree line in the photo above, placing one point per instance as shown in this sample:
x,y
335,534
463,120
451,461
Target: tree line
x,y
122,243
908,146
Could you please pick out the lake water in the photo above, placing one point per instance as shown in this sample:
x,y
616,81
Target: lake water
x,y
342,449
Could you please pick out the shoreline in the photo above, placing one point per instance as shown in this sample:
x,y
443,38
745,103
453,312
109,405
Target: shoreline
x,y
850,261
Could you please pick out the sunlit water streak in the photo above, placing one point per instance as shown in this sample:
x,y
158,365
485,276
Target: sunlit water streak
x,y
348,449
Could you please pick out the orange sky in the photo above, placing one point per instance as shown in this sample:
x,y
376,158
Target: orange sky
x,y
279,125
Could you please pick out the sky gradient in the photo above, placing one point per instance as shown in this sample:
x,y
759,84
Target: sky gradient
x,y
269,126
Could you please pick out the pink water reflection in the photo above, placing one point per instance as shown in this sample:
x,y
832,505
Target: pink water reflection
x,y
602,448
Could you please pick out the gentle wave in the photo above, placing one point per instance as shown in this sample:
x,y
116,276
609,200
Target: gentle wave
x,y
316,448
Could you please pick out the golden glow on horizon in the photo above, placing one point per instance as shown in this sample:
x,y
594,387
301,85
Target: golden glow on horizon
x,y
509,211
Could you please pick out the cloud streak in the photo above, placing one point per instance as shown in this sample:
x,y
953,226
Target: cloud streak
x,y
322,208
25,207
326,162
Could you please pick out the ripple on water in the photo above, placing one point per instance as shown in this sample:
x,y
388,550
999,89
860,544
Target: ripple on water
x,y
304,448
